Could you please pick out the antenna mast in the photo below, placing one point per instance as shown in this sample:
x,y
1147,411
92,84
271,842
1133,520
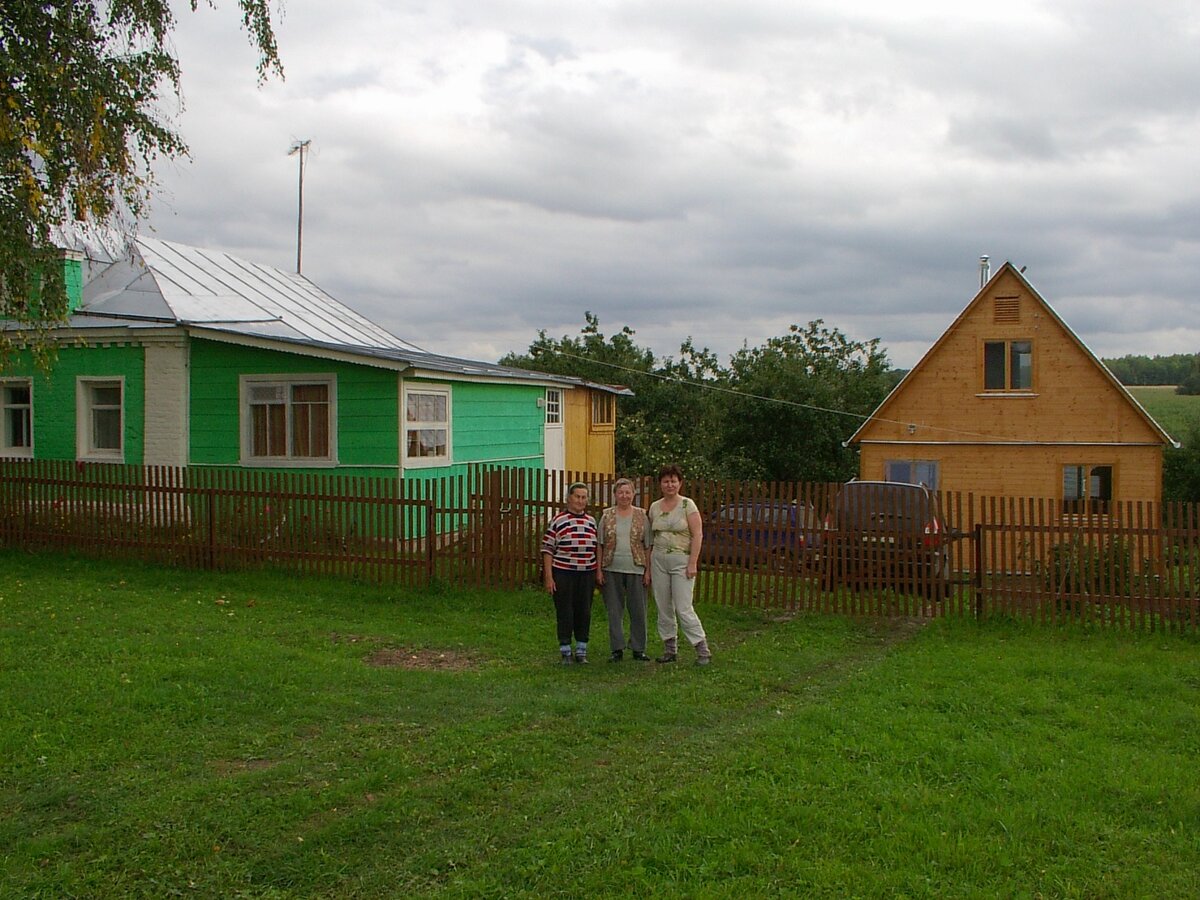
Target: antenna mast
x,y
300,147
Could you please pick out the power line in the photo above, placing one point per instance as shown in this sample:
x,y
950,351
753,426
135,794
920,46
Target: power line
x,y
793,403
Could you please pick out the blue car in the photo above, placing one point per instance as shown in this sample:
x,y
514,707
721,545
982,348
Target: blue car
x,y
780,535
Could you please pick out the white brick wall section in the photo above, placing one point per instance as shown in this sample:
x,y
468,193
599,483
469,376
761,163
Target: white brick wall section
x,y
166,404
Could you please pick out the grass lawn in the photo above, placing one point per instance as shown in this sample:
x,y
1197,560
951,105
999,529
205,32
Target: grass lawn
x,y
1177,413
170,733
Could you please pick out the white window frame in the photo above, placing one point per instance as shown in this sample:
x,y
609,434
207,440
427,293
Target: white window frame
x,y
554,406
7,449
85,448
286,383
417,462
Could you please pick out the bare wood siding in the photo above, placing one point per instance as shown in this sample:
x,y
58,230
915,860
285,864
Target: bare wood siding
x,y
586,450
1024,471
1071,400
575,429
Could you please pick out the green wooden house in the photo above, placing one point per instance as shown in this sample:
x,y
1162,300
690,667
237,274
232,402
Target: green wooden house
x,y
180,356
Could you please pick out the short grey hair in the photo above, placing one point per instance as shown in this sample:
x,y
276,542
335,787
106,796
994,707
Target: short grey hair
x,y
623,481
576,485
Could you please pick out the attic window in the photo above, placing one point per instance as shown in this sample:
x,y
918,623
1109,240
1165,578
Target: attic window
x,y
1008,366
1007,311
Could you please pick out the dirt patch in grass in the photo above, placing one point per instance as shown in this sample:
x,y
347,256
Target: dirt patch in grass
x,y
423,658
899,628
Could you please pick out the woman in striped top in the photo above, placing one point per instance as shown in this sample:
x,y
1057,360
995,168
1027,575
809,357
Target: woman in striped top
x,y
569,562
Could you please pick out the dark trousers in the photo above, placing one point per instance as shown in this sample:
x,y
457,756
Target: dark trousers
x,y
573,604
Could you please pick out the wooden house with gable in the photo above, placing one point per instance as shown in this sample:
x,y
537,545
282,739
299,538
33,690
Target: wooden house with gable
x,y
1010,402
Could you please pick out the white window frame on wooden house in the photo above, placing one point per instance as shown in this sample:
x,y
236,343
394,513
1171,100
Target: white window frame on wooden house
x,y
16,417
99,419
280,425
426,415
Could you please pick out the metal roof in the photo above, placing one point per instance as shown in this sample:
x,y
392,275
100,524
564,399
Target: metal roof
x,y
154,283
192,286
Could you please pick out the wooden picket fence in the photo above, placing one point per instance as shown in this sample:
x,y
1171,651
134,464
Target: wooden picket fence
x,y
1133,565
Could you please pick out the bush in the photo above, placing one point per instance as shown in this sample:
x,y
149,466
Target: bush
x,y
1080,566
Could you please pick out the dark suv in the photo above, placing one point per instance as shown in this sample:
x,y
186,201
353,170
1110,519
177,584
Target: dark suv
x,y
780,535
887,534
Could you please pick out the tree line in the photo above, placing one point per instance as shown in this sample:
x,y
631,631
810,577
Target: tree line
x,y
776,412
1182,369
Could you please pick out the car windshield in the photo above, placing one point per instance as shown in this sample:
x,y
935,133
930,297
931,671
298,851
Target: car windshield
x,y
900,507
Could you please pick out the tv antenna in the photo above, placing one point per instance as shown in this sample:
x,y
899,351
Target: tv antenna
x,y
300,147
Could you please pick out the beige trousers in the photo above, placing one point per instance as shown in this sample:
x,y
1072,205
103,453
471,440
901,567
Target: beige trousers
x,y
673,597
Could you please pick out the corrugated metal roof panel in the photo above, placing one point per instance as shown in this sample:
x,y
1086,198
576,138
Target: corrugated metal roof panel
x,y
169,283
210,286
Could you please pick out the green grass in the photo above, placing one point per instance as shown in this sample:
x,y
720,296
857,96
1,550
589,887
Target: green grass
x,y
179,733
1177,413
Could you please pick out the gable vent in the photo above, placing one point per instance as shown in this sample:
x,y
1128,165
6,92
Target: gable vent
x,y
1007,310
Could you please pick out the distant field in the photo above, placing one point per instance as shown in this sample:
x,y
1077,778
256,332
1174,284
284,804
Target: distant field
x,y
1174,412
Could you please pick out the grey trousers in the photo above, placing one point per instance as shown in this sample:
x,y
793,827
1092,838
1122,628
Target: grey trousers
x,y
624,591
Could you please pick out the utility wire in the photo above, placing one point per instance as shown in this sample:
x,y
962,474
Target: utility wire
x,y
779,400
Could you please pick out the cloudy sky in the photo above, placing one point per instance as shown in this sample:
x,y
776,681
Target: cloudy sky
x,y
481,170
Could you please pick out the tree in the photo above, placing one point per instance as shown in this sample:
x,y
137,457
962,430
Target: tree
x,y
591,355
718,422
606,360
80,123
1190,383
1181,468
804,394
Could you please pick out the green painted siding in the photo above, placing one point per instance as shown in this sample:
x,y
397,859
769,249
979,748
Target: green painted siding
x,y
54,396
499,423
73,282
367,405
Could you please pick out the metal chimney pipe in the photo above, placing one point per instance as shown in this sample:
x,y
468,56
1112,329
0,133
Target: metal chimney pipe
x,y
985,270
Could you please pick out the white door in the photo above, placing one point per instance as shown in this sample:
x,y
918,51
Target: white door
x,y
555,453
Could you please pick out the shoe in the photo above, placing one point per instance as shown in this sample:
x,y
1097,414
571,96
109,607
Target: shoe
x,y
566,659
703,660
617,656
666,658
640,656
581,659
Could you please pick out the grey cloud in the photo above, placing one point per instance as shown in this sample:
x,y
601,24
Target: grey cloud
x,y
1003,138
719,171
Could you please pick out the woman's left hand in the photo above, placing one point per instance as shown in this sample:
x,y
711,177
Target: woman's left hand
x,y
692,568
